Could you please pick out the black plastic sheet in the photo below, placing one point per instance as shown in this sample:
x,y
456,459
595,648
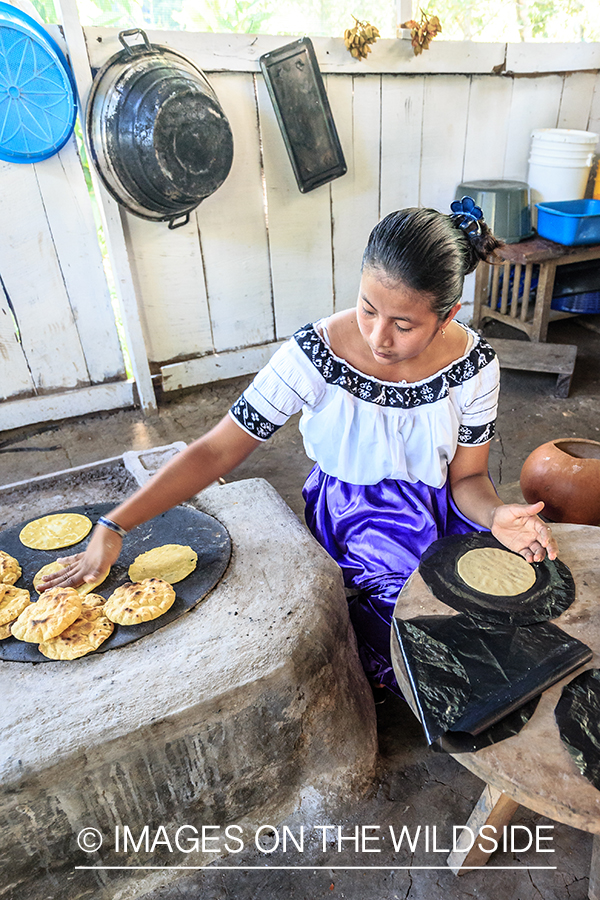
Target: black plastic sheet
x,y
463,742
577,715
466,675
552,593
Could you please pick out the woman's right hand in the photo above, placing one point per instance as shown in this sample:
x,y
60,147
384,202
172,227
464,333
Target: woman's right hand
x,y
101,553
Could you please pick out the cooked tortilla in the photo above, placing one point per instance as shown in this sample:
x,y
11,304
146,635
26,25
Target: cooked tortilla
x,y
10,570
84,635
132,604
54,611
13,601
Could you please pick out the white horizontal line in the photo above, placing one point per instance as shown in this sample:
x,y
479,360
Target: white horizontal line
x,y
208,868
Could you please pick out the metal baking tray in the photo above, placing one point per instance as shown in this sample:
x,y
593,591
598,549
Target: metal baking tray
x,y
298,94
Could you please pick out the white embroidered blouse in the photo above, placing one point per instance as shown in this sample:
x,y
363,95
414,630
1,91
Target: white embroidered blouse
x,y
362,430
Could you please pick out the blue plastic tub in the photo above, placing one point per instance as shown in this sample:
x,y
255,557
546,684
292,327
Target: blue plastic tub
x,y
570,221
578,303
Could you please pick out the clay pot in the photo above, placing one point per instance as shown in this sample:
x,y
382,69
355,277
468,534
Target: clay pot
x,y
565,474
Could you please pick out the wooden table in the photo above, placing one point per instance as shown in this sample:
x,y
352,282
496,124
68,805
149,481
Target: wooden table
x,y
510,305
533,768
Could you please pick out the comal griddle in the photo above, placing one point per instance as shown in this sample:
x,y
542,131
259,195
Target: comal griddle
x,y
181,525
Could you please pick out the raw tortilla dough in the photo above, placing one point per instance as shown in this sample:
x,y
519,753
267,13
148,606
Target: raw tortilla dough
x,y
171,562
55,531
83,589
497,572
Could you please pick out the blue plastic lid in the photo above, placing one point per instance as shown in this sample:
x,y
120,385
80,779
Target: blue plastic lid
x,y
37,92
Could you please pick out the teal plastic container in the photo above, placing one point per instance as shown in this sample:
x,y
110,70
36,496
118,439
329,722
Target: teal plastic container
x,y
570,222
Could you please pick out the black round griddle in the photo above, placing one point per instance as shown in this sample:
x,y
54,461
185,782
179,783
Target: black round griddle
x,y
181,525
550,595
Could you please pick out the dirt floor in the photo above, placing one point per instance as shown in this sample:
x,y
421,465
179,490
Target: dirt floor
x,y
416,786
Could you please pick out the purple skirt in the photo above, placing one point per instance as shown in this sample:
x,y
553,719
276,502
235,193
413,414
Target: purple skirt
x,y
376,533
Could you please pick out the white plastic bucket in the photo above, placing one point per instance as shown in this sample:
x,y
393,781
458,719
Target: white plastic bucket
x,y
559,164
567,137
548,152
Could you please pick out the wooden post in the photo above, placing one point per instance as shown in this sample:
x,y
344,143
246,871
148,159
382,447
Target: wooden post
x,y
404,12
481,296
111,217
493,808
543,299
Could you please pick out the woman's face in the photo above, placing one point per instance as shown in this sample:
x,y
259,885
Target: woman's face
x,y
396,322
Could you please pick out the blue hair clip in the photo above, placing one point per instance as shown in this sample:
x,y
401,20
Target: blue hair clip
x,y
467,214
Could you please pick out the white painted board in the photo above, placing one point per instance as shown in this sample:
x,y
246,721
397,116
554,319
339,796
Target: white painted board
x,y
168,275
485,145
355,196
68,208
576,100
217,366
241,52
66,404
445,107
401,141
16,378
233,229
299,233
594,119
34,282
535,104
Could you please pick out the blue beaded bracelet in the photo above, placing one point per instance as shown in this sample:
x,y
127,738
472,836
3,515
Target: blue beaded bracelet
x,y
112,526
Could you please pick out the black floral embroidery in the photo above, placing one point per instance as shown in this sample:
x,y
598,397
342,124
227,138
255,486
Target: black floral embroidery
x,y
476,434
336,372
252,420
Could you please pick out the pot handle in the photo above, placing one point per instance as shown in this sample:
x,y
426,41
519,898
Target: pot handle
x,y
173,223
130,33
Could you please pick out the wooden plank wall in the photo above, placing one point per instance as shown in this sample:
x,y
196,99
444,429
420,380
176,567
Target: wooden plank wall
x,y
258,259
57,327
262,259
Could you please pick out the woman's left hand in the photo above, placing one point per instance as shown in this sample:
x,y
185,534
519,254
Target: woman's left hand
x,y
519,528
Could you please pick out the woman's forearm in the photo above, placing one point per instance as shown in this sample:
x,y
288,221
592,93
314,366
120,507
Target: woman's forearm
x,y
200,464
476,498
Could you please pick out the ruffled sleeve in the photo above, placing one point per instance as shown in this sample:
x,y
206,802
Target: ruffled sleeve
x,y
477,400
286,384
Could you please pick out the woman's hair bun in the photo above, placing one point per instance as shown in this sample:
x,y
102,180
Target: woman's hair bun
x,y
468,217
429,251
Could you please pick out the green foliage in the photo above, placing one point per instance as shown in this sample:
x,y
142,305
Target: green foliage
x,y
248,16
518,20
487,20
543,13
46,10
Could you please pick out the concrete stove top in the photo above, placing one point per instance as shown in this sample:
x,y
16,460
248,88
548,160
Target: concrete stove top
x,y
227,716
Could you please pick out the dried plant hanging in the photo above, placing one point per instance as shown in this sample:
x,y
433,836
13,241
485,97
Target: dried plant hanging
x,y
423,32
359,38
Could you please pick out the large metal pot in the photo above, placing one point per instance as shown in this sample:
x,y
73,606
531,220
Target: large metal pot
x,y
157,134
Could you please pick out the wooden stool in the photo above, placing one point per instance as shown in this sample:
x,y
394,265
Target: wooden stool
x,y
502,303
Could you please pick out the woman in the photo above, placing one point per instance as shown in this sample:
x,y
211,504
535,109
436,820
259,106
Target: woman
x,y
399,406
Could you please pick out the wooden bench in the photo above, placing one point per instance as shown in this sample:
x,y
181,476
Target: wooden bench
x,y
556,359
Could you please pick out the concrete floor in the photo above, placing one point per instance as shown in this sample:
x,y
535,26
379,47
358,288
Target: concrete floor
x,y
415,785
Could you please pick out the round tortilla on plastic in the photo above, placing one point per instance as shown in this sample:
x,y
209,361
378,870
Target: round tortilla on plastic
x,y
496,572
